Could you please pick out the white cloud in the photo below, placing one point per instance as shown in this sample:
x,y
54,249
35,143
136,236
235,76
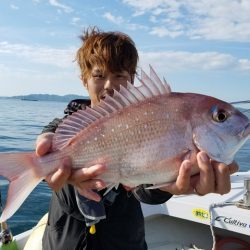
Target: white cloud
x,y
119,20
244,64
162,31
172,60
64,7
144,5
113,19
36,69
14,7
213,20
3,68
182,60
134,26
75,20
61,58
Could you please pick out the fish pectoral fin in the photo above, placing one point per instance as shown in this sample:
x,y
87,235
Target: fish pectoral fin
x,y
158,185
186,154
110,187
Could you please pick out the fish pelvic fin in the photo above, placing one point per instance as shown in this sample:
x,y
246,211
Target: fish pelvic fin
x,y
20,170
110,187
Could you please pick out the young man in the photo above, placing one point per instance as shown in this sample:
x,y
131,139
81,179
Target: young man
x,y
108,60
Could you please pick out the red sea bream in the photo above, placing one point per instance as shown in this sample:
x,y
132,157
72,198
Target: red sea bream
x,y
141,134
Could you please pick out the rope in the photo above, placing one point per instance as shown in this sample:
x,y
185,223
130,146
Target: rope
x,y
211,207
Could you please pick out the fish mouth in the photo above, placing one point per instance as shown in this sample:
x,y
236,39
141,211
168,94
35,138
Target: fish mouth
x,y
246,132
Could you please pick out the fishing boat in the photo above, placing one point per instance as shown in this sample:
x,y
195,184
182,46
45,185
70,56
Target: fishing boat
x,y
186,222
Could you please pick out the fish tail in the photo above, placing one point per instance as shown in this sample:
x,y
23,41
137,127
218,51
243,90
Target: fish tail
x,y
22,172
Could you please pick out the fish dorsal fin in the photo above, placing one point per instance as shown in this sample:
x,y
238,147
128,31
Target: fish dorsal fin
x,y
163,86
152,85
72,125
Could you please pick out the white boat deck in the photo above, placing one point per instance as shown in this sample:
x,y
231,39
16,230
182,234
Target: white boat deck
x,y
183,222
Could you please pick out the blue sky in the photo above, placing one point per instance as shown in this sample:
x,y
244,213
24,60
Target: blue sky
x,y
198,46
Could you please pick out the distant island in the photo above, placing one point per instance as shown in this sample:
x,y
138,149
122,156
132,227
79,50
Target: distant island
x,y
47,97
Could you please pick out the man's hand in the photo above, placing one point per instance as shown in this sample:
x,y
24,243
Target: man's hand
x,y
57,179
214,177
84,179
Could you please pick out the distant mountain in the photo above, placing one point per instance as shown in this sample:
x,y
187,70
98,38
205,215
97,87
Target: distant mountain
x,y
47,97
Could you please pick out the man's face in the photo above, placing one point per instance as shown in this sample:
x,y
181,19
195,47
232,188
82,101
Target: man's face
x,y
101,84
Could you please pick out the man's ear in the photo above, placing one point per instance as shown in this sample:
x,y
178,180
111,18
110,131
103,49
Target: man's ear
x,y
84,82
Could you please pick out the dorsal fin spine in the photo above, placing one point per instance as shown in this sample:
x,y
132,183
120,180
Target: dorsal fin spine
x,y
65,136
71,122
166,85
139,96
87,119
101,109
65,132
157,80
104,103
66,127
88,115
76,119
151,84
95,112
120,97
127,94
81,117
146,89
112,101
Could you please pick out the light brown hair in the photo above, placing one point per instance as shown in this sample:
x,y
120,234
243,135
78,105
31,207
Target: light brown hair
x,y
110,51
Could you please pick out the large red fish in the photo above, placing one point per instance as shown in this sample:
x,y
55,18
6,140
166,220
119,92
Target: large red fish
x,y
141,134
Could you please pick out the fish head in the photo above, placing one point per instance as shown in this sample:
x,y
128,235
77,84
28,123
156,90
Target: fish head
x,y
220,129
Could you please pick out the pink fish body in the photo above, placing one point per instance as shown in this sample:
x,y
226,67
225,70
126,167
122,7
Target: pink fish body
x,y
142,134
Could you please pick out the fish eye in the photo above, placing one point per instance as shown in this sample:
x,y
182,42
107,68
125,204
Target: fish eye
x,y
220,115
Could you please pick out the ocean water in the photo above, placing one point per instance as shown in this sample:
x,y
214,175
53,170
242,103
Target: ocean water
x,y
20,124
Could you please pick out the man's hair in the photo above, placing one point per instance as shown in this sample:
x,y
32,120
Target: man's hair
x,y
109,51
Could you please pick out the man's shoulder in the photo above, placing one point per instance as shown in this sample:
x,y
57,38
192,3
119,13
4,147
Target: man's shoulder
x,y
75,105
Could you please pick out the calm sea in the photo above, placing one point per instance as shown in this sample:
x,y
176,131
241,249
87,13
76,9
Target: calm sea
x,y
20,123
